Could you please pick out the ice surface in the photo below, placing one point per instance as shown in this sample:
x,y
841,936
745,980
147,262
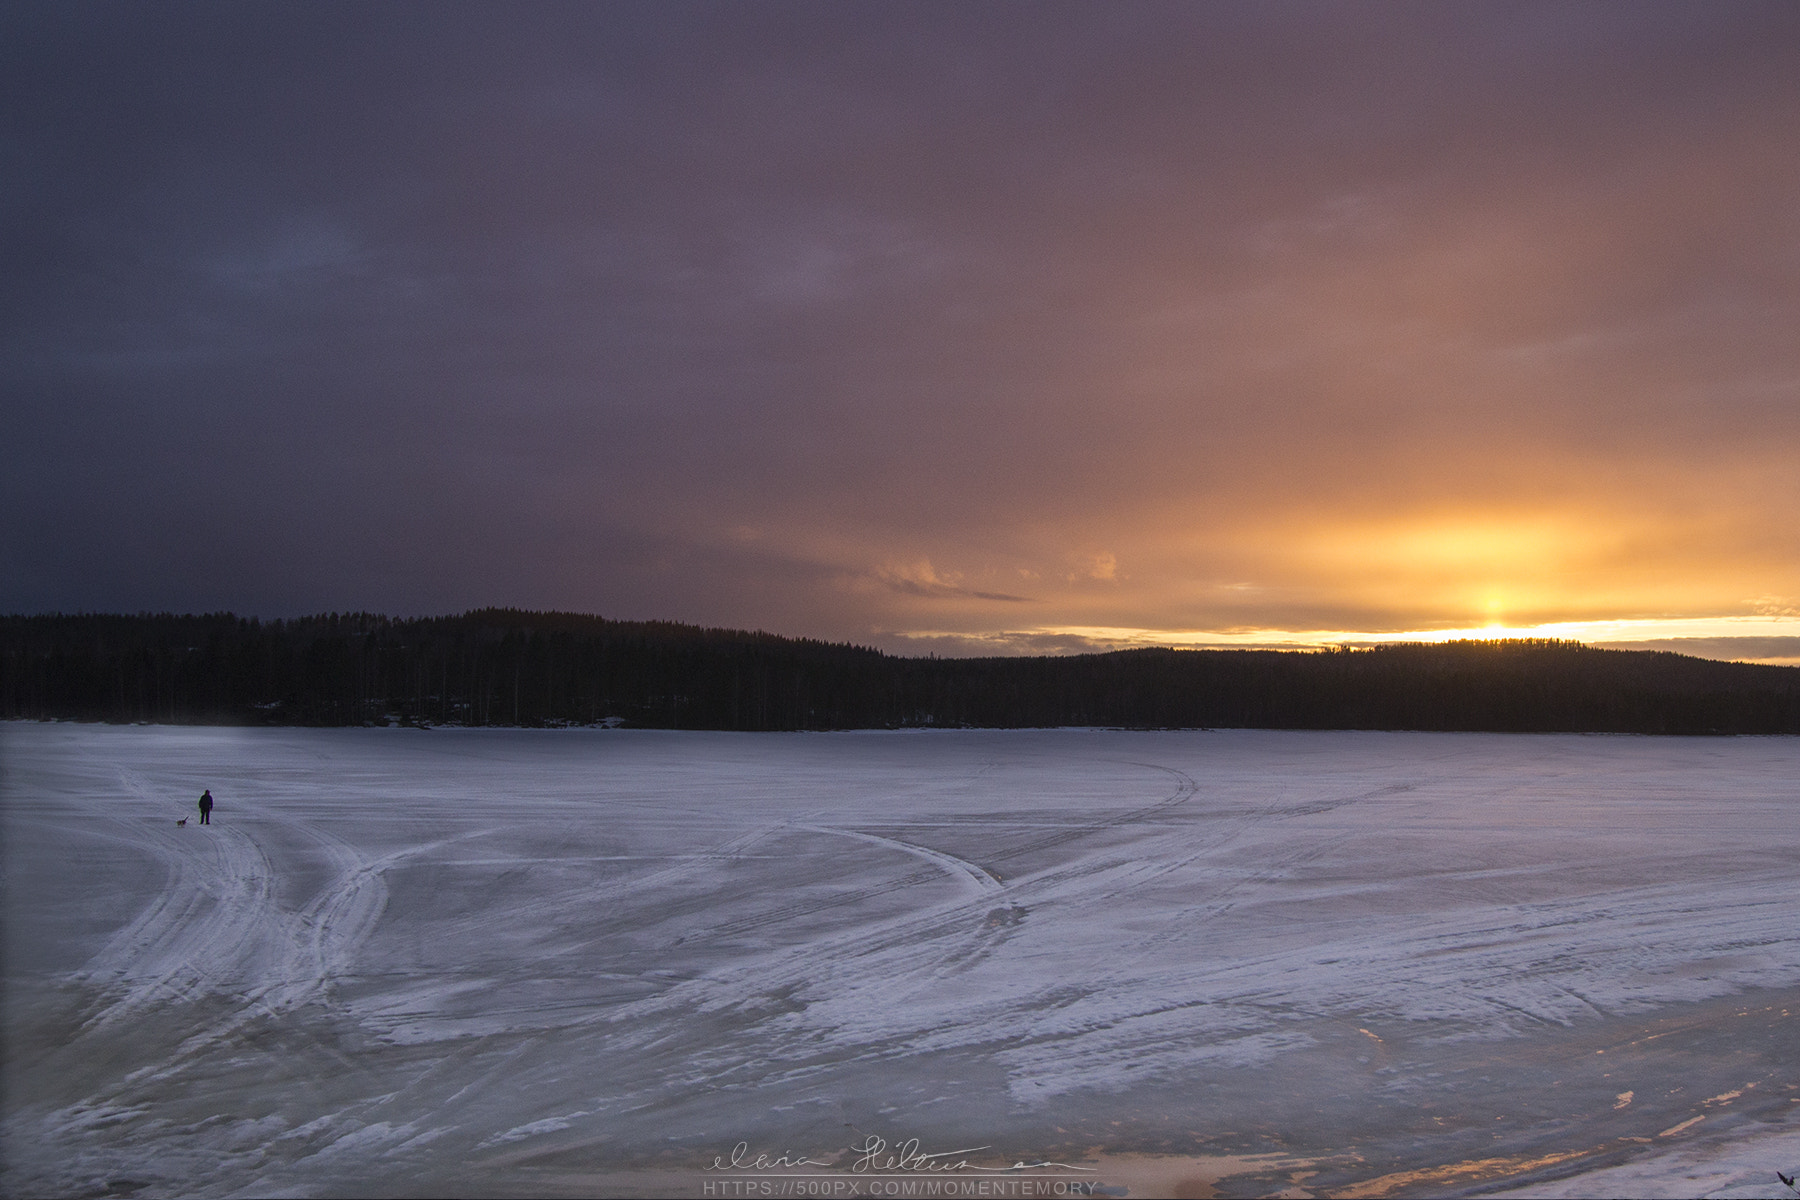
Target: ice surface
x,y
484,962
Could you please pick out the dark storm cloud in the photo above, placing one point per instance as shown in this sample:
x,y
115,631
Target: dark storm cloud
x,y
835,318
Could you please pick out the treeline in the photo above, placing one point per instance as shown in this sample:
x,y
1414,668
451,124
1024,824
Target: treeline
x,y
506,667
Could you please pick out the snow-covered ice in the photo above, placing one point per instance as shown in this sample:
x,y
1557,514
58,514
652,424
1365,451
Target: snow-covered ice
x,y
511,962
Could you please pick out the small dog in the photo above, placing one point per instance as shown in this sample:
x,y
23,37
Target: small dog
x,y
183,821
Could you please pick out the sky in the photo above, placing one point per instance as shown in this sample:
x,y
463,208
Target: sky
x,y
949,328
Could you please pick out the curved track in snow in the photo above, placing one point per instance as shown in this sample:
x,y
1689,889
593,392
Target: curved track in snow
x,y
975,880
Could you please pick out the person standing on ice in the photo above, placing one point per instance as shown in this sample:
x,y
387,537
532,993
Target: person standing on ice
x,y
206,807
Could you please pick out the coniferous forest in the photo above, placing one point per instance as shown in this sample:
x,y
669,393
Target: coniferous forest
x,y
506,667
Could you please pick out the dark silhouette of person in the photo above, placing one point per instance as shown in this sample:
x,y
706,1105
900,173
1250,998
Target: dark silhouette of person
x,y
206,807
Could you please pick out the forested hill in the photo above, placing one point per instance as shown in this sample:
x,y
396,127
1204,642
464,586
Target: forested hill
x,y
505,667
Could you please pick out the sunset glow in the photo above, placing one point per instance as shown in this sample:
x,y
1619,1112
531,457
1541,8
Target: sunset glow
x,y
1679,634
1262,326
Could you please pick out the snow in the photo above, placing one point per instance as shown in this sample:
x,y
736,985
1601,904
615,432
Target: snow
x,y
511,962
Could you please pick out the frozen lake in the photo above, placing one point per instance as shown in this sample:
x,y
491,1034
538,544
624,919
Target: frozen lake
x,y
510,962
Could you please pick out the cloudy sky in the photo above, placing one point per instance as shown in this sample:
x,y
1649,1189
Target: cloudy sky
x,y
940,327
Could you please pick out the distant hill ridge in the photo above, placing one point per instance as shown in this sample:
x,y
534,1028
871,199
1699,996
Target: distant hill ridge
x,y
511,667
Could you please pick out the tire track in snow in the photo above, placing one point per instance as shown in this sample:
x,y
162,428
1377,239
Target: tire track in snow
x,y
894,955
215,927
977,884
941,864
974,879
317,944
723,852
914,947
204,931
323,936
1185,789
178,905
1461,967
910,933
1133,1018
884,953
880,955
1181,923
